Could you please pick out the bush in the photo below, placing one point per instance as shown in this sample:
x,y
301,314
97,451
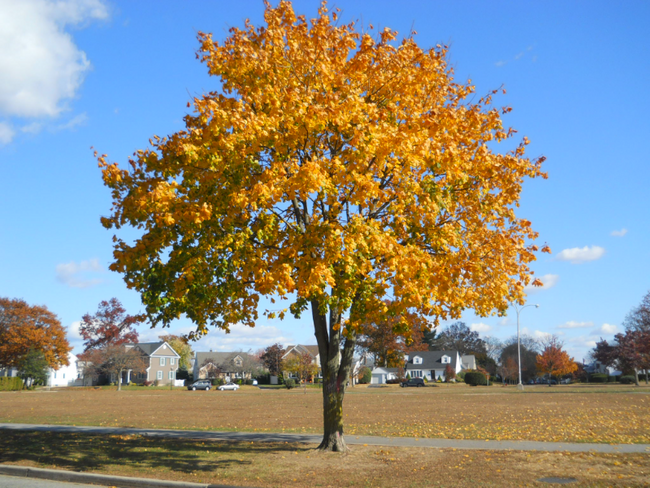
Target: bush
x,y
475,378
395,381
627,380
365,375
289,383
249,381
613,379
148,383
461,376
11,383
598,378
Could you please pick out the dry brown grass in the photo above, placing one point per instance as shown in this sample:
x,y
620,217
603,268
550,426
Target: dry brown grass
x,y
299,465
609,413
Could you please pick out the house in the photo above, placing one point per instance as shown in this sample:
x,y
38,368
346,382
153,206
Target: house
x,y
225,365
468,362
161,363
432,364
69,375
381,375
299,350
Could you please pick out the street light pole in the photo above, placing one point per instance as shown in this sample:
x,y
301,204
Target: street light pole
x,y
520,385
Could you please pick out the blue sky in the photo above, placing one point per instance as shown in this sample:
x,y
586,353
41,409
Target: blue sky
x,y
109,74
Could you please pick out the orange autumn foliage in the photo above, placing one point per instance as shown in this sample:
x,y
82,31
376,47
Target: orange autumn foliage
x,y
554,360
24,328
333,170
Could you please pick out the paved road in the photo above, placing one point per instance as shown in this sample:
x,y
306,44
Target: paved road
x,y
17,482
352,440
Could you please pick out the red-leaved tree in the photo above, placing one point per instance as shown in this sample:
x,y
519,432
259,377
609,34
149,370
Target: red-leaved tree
x,y
109,326
630,352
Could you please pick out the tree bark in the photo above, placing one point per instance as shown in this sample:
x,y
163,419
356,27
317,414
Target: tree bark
x,y
336,363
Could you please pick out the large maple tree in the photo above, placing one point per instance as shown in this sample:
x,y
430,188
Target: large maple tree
x,y
332,169
25,328
554,360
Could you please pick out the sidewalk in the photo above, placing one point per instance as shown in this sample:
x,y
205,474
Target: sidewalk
x,y
350,439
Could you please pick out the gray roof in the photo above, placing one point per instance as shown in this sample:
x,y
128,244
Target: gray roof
x,y
217,357
149,347
432,359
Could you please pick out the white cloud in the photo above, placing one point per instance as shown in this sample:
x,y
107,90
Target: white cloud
x,y
241,337
619,233
33,128
577,255
6,133
498,64
80,119
76,275
40,64
608,329
539,334
480,327
575,325
548,280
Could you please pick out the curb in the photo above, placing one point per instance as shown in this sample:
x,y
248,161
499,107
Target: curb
x,y
99,479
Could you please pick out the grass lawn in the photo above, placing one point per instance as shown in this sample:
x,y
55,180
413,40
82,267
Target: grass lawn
x,y
565,413
299,465
582,413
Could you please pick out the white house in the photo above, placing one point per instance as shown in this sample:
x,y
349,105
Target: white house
x,y
69,375
432,364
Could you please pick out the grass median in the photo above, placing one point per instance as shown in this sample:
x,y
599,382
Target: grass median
x,y
583,413
300,465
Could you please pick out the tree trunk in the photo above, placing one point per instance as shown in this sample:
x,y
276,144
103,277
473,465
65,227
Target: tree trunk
x,y
636,377
119,381
333,393
336,364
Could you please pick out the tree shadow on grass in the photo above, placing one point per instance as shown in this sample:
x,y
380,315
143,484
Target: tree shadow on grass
x,y
92,452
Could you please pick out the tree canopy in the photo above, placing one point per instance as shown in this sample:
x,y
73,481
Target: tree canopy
x,y
26,329
459,337
553,360
333,169
109,326
639,316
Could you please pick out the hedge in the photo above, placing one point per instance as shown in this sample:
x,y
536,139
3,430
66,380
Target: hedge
x,y
598,378
11,383
627,380
475,378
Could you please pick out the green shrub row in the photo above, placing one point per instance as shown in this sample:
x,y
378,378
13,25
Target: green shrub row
x,y
11,383
627,380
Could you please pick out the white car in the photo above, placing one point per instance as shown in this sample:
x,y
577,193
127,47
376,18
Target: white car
x,y
228,386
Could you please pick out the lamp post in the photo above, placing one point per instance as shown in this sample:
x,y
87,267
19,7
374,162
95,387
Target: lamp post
x,y
520,385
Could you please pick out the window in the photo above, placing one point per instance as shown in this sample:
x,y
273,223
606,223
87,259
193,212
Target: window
x,y
159,375
446,360
172,375
63,375
416,374
55,375
172,361
162,361
417,360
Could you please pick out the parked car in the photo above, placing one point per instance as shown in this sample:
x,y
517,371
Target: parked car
x,y
254,382
229,386
200,385
418,382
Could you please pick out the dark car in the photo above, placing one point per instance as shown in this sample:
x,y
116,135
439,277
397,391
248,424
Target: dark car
x,y
200,385
413,382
